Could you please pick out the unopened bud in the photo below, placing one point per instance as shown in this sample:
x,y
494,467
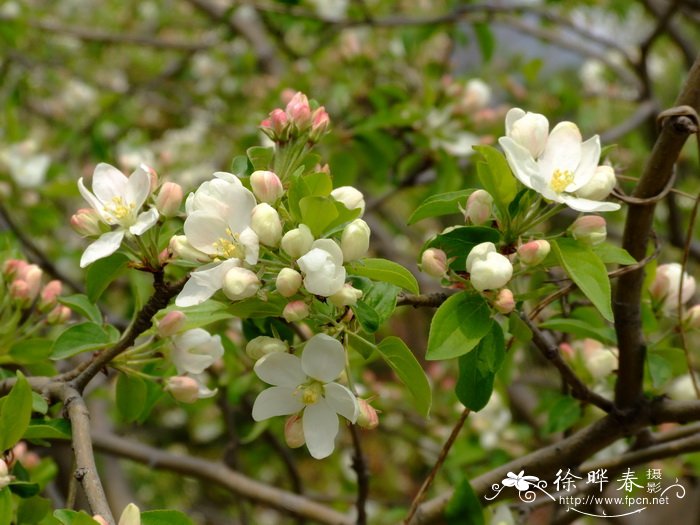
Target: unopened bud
x,y
488,269
297,242
692,318
351,197
169,199
32,276
294,432
240,283
346,296
320,121
14,267
49,295
533,252
434,262
600,185
5,478
265,222
479,206
182,249
99,519
86,222
59,315
263,345
275,126
504,303
288,282
295,311
266,186
19,291
354,241
299,111
589,229
183,388
665,288
171,323
367,416
477,95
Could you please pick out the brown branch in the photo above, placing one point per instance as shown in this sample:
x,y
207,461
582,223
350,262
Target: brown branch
x,y
219,474
638,226
430,300
549,350
359,465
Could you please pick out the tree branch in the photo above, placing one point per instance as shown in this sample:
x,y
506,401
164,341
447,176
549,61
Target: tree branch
x,y
360,466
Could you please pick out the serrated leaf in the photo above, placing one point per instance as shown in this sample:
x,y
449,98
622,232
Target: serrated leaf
x,y
80,338
439,205
402,361
102,273
587,271
458,326
385,271
164,517
457,243
15,413
48,429
80,304
478,368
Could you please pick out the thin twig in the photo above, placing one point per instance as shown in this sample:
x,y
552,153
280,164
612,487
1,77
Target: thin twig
x,y
359,465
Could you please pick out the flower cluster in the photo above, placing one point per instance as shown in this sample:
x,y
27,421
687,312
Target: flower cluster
x,y
298,119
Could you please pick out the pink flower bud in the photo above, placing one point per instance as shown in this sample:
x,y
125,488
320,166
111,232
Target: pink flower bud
x,y
692,318
479,205
240,283
434,262
276,125
288,282
86,222
589,229
99,519
14,267
26,457
169,199
299,111
49,295
32,276
5,477
533,252
152,174
59,315
183,388
266,186
665,288
320,122
19,291
294,432
295,311
367,416
504,303
171,323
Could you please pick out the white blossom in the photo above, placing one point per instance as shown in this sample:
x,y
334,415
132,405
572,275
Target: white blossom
x,y
487,268
307,384
323,268
195,350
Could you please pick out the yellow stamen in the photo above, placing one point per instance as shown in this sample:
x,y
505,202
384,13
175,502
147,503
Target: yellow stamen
x,y
311,393
119,209
561,180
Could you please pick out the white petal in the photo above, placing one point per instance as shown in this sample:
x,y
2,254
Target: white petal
x,y
108,182
586,205
320,429
202,284
330,246
88,196
513,115
138,188
130,515
276,401
203,229
563,150
196,350
144,221
249,240
590,155
106,245
280,369
520,161
323,358
342,401
228,177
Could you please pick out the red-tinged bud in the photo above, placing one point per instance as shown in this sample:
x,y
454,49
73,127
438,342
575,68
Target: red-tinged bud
x,y
32,276
533,252
59,315
86,222
266,186
171,323
320,122
183,388
504,303
589,229
49,295
169,199
299,111
479,205
434,262
295,311
294,432
367,416
14,267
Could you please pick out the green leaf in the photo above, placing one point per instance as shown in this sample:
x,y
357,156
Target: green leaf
x,y
361,345
581,329
131,396
39,404
164,517
6,512
254,307
379,296
30,351
15,413
464,507
496,177
587,271
203,314
48,429
457,243
611,254
319,184
368,318
260,157
32,510
660,369
385,271
484,36
563,414
81,304
441,204
71,517
518,328
478,368
458,326
402,361
318,213
79,338
102,273
239,165
24,489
